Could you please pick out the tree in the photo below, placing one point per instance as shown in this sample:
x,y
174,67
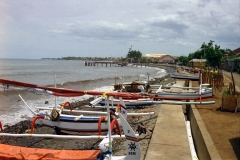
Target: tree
x,y
134,55
143,60
183,59
197,54
213,54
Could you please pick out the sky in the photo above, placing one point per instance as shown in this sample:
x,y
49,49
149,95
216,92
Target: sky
x,y
31,29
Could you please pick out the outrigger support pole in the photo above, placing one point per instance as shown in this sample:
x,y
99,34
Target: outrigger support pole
x,y
109,129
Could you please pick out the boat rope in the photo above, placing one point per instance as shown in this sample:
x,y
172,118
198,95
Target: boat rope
x,y
33,122
64,104
1,126
105,93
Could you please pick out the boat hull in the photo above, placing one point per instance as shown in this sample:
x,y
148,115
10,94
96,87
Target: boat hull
x,y
84,125
185,76
185,96
128,103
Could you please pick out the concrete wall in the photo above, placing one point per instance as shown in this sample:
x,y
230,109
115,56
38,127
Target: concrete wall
x,y
204,145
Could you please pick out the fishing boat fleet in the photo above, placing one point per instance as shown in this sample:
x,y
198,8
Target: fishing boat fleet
x,y
116,102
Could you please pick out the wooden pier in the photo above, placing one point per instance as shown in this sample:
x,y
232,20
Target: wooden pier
x,y
121,64
104,63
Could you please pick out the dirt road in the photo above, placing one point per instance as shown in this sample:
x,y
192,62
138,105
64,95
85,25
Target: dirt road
x,y
223,126
228,78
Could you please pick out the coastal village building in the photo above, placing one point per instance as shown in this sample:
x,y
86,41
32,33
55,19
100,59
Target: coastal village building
x,y
232,64
160,58
237,51
197,63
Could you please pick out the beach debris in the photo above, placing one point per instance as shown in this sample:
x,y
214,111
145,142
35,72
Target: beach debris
x,y
142,128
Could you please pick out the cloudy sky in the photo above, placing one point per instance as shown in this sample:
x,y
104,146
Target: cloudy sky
x,y
107,28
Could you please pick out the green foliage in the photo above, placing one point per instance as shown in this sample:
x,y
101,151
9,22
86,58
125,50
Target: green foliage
x,y
143,60
232,56
135,55
198,54
225,92
183,59
70,58
123,59
213,54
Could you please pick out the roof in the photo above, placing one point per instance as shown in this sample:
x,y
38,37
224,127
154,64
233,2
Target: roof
x,y
198,60
237,50
155,55
160,56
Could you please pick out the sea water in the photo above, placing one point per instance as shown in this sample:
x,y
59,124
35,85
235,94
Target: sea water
x,y
71,74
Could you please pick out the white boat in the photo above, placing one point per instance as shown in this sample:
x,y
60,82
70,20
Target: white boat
x,y
194,77
74,123
105,148
152,102
129,102
203,92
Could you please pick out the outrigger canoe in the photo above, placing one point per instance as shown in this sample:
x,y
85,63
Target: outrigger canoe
x,y
78,123
75,123
193,77
185,93
64,92
9,152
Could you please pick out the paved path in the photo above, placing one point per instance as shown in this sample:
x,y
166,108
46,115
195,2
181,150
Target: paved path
x,y
169,139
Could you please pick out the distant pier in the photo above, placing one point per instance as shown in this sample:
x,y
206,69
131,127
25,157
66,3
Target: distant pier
x,y
121,64
100,63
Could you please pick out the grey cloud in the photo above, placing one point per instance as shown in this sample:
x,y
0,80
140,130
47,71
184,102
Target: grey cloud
x,y
170,24
70,26
101,30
